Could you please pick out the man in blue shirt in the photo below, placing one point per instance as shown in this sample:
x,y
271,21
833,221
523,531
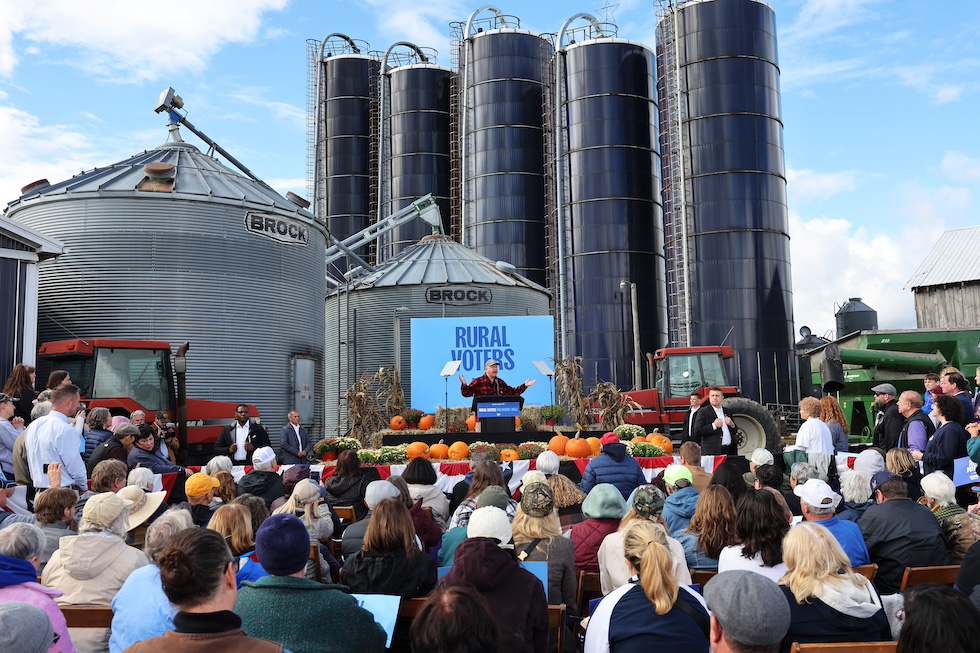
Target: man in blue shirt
x,y
819,504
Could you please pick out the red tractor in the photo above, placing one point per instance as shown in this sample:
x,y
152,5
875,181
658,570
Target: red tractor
x,y
682,371
129,375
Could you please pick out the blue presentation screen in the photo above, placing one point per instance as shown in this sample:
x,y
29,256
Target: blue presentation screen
x,y
514,341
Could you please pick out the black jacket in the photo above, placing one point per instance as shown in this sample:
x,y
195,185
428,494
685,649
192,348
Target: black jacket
x,y
705,432
917,416
900,533
256,435
267,485
348,491
889,427
108,450
390,573
516,597
686,433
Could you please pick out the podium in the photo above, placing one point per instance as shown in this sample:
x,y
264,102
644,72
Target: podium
x,y
497,413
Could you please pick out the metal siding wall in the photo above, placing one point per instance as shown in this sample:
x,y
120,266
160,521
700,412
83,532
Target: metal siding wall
x,y
738,235
418,162
613,207
504,213
156,268
375,310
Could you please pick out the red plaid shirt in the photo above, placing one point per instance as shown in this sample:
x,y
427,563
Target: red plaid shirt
x,y
483,386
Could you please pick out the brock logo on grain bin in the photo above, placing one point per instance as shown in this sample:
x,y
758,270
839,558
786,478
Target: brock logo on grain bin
x,y
277,228
458,295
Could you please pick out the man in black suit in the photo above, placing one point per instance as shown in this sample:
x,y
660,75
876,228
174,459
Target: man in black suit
x,y
714,428
294,441
239,439
687,433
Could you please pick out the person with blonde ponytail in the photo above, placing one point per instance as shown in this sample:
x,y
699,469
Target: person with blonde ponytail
x,y
652,611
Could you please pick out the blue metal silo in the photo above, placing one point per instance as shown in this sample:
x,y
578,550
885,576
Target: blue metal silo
x,y
611,269
725,218
503,80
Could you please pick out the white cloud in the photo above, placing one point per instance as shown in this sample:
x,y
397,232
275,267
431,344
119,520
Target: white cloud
x,y
806,185
91,116
295,184
833,261
126,41
280,110
821,18
421,24
54,152
961,167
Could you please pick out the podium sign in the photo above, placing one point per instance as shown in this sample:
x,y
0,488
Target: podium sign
x,y
509,408
496,414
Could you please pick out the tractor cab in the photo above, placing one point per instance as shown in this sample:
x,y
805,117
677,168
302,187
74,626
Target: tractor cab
x,y
680,372
120,375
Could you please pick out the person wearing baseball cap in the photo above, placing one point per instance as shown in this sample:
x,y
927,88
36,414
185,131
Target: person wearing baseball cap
x,y
264,479
747,610
899,532
10,428
819,504
613,466
681,498
490,384
199,489
375,493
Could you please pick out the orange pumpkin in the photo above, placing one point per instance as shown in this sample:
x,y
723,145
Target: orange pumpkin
x,y
427,422
639,438
558,444
438,451
471,422
459,451
517,423
397,423
595,444
578,448
417,450
662,441
508,455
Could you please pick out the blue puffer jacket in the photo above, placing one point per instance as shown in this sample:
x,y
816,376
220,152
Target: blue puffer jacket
x,y
93,438
615,467
679,509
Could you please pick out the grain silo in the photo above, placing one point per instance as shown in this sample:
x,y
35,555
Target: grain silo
x,y
414,129
610,267
725,220
172,245
503,73
368,318
344,137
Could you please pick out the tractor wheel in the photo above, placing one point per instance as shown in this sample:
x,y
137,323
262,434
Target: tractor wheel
x,y
756,426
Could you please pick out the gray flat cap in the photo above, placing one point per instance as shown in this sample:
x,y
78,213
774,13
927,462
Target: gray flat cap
x,y
750,607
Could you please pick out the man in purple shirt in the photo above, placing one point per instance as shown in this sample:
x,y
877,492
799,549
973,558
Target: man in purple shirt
x,y
918,427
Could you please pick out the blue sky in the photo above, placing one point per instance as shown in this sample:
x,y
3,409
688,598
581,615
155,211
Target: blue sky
x,y
879,106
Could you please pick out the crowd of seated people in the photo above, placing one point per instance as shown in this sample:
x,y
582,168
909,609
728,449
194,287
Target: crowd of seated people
x,y
262,561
